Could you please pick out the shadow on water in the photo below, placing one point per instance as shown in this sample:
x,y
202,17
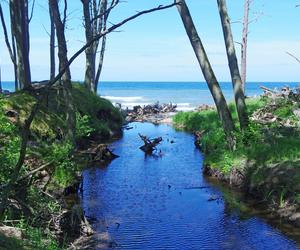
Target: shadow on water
x,y
163,201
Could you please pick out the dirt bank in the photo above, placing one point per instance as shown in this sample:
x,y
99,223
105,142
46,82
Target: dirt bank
x,y
265,186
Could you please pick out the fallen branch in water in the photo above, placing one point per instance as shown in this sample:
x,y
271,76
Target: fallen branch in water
x,y
149,145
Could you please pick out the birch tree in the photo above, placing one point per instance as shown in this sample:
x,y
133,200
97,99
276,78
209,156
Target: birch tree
x,y
244,44
208,73
95,15
233,65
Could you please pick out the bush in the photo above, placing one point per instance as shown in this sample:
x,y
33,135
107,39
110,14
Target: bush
x,y
9,146
83,126
60,154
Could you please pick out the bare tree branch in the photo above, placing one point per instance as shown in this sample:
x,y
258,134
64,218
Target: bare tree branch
x,y
112,28
26,128
6,36
106,13
31,14
298,60
65,13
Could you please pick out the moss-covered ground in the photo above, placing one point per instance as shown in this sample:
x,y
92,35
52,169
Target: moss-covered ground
x,y
95,116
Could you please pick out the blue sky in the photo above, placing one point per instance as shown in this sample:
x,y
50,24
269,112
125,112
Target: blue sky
x,y
155,47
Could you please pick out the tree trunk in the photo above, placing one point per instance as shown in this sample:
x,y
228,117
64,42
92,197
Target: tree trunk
x,y
66,78
93,27
89,79
11,47
17,83
233,65
244,44
102,25
26,128
20,29
0,81
52,45
207,71
100,64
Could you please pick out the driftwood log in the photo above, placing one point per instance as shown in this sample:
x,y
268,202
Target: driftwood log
x,y
149,144
285,92
100,153
140,113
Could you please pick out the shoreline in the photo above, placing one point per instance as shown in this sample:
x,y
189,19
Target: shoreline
x,y
272,183
236,178
103,240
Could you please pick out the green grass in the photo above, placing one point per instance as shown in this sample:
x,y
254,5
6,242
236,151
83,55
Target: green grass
x,y
103,116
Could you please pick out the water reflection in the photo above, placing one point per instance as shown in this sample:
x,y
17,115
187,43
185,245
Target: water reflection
x,y
156,202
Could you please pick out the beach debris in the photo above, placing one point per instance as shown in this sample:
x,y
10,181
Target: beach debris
x,y
285,92
204,107
139,113
267,115
149,144
265,118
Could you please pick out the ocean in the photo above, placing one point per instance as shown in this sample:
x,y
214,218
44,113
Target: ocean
x,y
187,95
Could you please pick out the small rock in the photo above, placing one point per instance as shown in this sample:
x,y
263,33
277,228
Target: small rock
x,y
11,232
297,113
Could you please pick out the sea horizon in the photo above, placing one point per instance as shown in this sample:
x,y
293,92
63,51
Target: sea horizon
x,y
187,95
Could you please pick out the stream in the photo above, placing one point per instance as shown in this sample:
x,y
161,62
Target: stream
x,y
164,202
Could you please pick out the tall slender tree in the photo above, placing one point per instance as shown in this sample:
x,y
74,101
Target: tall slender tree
x,y
0,81
233,65
95,15
244,44
11,47
212,82
25,130
63,65
52,45
20,30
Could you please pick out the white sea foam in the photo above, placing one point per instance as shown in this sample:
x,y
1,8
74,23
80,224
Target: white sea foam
x,y
180,106
183,104
122,99
185,108
130,105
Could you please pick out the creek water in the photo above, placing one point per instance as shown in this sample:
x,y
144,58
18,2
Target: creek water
x,y
164,202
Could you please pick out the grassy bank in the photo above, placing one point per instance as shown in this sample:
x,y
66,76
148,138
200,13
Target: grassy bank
x,y
37,200
268,152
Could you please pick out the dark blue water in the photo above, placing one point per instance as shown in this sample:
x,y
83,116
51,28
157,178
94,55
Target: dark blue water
x,y
141,202
187,95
